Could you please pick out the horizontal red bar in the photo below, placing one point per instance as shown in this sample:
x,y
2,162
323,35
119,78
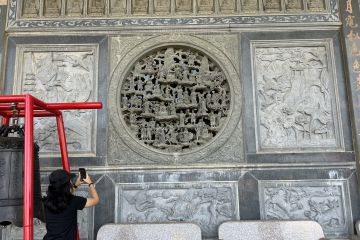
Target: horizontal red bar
x,y
57,106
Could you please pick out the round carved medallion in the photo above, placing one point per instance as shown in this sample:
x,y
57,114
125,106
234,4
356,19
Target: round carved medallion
x,y
175,99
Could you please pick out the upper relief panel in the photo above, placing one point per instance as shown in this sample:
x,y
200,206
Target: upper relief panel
x,y
120,13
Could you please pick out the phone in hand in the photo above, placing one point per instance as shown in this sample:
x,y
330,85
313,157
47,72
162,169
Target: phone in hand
x,y
82,174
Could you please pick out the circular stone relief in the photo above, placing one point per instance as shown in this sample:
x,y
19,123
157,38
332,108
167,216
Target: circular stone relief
x,y
175,100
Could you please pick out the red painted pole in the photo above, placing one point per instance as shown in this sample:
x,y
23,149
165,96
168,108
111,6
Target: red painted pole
x,y
62,141
5,121
28,169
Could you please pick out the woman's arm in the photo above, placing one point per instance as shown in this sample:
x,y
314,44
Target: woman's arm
x,y
94,197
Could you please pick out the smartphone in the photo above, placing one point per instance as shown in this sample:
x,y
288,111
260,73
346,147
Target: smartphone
x,y
82,173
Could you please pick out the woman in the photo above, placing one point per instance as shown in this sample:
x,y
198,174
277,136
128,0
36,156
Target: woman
x,y
61,205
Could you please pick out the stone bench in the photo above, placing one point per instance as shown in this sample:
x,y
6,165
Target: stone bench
x,y
270,230
149,231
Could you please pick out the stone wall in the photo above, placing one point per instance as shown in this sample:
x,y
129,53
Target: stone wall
x,y
213,110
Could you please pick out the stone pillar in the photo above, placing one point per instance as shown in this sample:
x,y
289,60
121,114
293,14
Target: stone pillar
x,y
2,39
350,15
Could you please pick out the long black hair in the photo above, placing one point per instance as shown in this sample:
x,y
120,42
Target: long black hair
x,y
59,194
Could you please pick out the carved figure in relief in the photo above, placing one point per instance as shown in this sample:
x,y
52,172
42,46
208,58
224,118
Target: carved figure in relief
x,y
272,5
74,7
250,6
227,6
295,102
97,7
293,5
31,8
140,6
160,89
321,204
52,7
184,6
162,6
316,5
207,206
205,6
118,7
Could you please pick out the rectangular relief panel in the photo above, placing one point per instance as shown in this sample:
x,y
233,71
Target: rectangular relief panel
x,y
205,6
250,6
324,201
316,5
140,7
294,5
271,6
60,73
118,7
207,204
30,8
162,7
74,8
96,7
228,6
297,101
184,6
52,8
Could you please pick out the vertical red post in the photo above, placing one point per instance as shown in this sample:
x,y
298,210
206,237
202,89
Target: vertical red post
x,y
28,169
5,121
62,141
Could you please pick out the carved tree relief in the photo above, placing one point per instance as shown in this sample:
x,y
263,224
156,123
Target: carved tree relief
x,y
208,206
175,100
323,204
296,101
62,77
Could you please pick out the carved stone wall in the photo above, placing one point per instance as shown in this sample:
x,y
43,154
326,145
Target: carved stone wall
x,y
326,202
206,204
59,74
106,8
2,28
296,97
182,101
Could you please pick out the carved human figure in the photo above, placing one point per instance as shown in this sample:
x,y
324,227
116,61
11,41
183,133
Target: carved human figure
x,y
205,6
74,7
97,7
184,6
30,8
316,5
227,6
272,5
125,102
182,119
250,6
140,6
52,8
118,7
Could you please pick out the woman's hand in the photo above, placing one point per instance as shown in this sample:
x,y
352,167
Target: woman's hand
x,y
87,179
78,181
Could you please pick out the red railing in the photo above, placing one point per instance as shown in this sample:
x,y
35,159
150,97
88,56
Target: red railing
x,y
29,107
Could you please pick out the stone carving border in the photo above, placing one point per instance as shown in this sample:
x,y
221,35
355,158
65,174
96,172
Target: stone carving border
x,y
14,21
18,85
123,67
151,196
293,200
335,101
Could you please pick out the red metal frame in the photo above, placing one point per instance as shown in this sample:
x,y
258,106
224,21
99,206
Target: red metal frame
x,y
29,107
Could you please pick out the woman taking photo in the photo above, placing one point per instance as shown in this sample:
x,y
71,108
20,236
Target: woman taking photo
x,y
61,205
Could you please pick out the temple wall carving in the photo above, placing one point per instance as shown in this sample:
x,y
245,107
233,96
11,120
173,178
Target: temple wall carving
x,y
297,98
206,204
325,202
175,100
110,8
58,74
